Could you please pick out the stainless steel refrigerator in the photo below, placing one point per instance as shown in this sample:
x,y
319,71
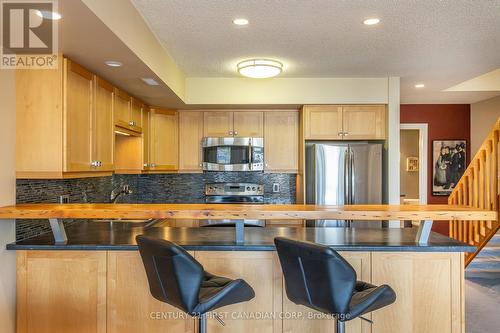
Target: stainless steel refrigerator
x,y
342,174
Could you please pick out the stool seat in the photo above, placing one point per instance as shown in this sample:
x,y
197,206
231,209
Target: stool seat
x,y
218,291
367,298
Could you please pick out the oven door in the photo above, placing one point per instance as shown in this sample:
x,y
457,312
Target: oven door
x,y
233,154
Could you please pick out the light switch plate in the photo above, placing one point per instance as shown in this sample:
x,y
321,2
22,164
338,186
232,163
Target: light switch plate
x,y
64,198
276,188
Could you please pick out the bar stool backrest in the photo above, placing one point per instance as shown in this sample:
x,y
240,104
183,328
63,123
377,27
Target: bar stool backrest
x,y
316,276
174,276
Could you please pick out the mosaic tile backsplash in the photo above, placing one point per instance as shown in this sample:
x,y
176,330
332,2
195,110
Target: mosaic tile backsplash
x,y
154,188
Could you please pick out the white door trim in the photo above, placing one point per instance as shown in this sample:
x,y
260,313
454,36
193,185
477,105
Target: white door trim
x,y
423,154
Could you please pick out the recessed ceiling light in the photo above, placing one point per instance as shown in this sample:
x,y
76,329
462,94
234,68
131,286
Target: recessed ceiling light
x,y
113,63
420,85
150,81
371,21
48,14
259,68
240,21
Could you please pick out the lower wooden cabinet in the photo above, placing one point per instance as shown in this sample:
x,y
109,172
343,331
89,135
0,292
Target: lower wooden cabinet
x,y
107,292
61,291
131,308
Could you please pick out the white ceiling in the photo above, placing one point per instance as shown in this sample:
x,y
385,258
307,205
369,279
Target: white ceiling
x,y
437,42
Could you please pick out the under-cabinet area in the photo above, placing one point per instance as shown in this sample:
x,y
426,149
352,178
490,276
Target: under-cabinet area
x,y
72,123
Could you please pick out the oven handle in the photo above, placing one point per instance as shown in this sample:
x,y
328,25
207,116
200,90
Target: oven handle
x,y
250,155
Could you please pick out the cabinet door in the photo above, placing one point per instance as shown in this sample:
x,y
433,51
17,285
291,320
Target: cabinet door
x,y
323,122
364,122
324,324
136,110
146,139
427,285
122,109
281,140
131,308
61,291
190,136
78,117
164,140
262,271
248,124
103,136
218,123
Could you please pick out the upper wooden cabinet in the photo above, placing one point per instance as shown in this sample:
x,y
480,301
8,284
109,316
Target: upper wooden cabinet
x,y
128,111
281,140
345,122
103,125
248,124
233,123
361,122
190,136
146,137
323,122
63,123
164,140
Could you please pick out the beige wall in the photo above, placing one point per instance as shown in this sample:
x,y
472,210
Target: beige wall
x,y
409,148
7,197
482,117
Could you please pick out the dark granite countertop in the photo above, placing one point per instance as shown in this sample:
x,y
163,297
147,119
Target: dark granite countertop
x,y
121,236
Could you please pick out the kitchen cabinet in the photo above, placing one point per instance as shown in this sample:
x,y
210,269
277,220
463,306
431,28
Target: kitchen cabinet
x,y
190,137
128,111
103,126
71,285
281,141
64,126
233,123
345,122
164,140
146,139
364,122
131,304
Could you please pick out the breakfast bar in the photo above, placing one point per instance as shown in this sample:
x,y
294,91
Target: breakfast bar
x,y
92,279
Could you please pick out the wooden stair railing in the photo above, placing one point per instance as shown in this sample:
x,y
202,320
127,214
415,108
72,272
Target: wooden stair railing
x,y
478,187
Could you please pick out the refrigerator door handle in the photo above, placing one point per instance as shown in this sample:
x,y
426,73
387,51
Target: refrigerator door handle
x,y
353,172
346,178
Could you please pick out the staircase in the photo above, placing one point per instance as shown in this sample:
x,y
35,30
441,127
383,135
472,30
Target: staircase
x,y
487,261
478,188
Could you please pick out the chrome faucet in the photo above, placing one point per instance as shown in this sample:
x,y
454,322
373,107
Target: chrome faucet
x,y
117,192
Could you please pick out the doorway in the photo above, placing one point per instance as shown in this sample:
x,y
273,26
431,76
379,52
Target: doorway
x,y
413,163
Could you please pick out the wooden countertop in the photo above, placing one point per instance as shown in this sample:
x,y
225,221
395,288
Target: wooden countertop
x,y
239,211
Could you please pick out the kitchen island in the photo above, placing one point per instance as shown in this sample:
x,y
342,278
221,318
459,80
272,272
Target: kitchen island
x,y
95,282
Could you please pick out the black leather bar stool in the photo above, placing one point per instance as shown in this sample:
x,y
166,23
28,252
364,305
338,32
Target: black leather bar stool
x,y
176,278
319,278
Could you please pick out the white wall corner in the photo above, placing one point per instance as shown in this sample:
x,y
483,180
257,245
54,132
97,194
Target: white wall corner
x,y
7,197
393,141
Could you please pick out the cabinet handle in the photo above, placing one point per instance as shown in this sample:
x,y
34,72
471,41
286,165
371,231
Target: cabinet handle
x,y
95,164
131,123
341,133
230,132
99,163
200,165
153,165
235,132
145,165
345,133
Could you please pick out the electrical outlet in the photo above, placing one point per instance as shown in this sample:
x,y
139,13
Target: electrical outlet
x,y
276,188
64,198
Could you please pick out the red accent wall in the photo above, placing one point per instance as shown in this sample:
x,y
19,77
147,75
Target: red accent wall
x,y
445,122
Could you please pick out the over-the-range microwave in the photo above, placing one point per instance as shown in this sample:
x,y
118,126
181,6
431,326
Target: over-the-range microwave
x,y
233,154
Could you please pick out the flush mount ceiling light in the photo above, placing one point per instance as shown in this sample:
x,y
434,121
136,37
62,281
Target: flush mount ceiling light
x,y
260,68
112,63
240,21
149,81
371,21
48,14
420,85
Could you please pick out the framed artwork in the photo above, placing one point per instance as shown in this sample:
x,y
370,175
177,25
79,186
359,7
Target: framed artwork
x,y
449,163
412,164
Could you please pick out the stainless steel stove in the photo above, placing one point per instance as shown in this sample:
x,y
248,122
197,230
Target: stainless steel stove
x,y
233,193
